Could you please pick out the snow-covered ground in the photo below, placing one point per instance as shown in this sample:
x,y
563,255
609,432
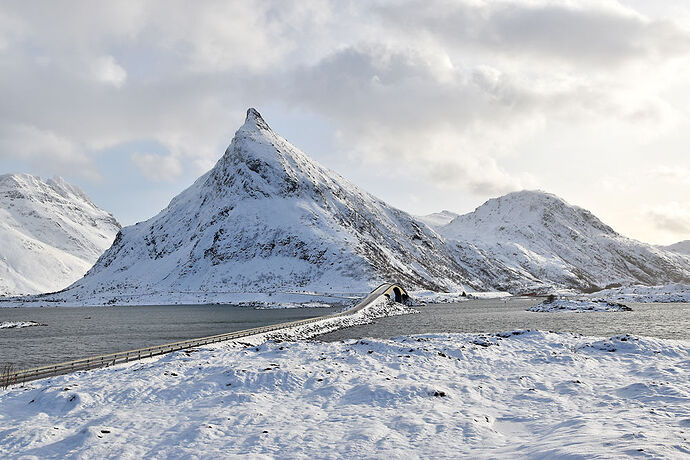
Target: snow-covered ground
x,y
578,305
243,299
452,297
527,395
647,294
18,324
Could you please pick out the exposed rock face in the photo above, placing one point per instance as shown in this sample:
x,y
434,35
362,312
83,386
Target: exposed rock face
x,y
50,234
532,241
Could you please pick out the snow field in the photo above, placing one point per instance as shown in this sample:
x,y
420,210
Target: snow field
x,y
576,305
673,292
519,394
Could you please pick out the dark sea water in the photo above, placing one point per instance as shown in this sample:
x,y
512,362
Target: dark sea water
x,y
78,332
72,333
670,321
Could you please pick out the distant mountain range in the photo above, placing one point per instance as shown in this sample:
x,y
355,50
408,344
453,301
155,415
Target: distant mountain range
x,y
438,219
268,220
50,234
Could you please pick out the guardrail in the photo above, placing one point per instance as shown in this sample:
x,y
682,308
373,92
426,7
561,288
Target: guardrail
x,y
94,362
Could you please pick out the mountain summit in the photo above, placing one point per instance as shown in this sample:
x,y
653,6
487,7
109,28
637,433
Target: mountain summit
x,y
267,218
535,241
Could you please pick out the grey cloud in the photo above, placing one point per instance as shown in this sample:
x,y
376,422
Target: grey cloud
x,y
481,176
586,33
671,223
672,218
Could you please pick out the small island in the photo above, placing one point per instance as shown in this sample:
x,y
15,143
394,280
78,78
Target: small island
x,y
552,304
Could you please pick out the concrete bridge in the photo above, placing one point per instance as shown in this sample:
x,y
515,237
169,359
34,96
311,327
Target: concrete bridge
x,y
8,377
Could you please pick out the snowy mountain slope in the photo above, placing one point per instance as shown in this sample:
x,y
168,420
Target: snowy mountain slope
x,y
532,241
51,234
681,247
438,219
267,218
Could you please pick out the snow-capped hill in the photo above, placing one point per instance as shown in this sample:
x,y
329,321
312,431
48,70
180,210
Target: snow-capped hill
x,y
266,219
532,240
681,247
438,219
51,234
523,212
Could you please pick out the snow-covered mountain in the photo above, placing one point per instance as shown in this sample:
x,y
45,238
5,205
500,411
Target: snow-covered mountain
x,y
267,222
438,219
532,241
267,218
681,247
50,234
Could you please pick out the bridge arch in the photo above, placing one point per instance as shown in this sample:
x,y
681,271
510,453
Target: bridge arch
x,y
396,293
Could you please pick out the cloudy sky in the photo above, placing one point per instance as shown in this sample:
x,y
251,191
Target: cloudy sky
x,y
428,104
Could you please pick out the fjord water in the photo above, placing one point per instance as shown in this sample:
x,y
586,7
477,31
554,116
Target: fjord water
x,y
662,320
78,332
72,333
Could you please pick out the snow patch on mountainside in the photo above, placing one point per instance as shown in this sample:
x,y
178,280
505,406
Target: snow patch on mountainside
x,y
681,247
532,241
50,234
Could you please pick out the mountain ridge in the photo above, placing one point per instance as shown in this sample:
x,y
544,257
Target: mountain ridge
x,y
267,219
541,238
51,231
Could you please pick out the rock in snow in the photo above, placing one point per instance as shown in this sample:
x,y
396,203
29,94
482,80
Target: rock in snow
x,y
50,234
535,241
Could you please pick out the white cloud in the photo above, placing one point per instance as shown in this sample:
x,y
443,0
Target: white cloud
x,y
105,69
47,152
674,174
158,168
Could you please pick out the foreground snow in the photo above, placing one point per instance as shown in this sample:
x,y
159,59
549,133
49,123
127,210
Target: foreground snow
x,y
647,294
533,394
578,306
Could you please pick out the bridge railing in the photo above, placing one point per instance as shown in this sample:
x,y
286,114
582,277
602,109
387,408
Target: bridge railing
x,y
11,378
